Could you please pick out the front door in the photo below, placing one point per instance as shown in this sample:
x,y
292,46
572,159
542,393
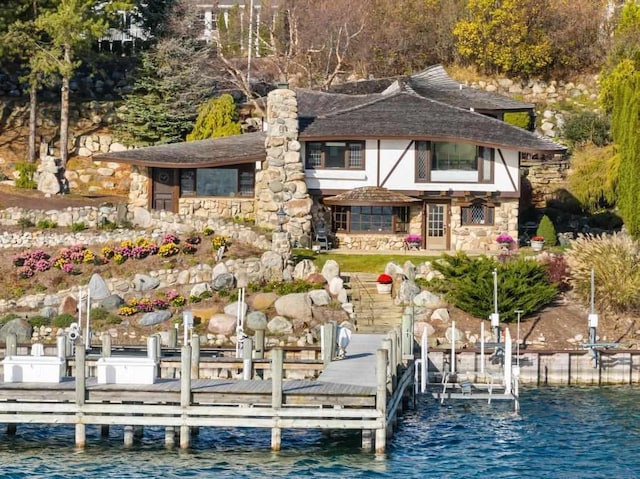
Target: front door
x,y
165,191
437,226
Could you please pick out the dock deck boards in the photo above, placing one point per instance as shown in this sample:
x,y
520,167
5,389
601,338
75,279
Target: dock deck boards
x,y
358,368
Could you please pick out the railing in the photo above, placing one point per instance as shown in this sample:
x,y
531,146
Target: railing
x,y
366,305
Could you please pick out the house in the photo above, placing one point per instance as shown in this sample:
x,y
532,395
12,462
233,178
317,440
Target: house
x,y
426,156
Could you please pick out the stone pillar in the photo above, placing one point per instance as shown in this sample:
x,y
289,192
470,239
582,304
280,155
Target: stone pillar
x,y
281,181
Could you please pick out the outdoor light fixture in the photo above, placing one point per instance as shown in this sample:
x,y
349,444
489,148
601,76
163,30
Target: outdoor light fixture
x,y
282,217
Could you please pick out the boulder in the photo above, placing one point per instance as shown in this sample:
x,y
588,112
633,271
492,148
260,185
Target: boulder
x,y
222,324
232,309
144,282
335,285
408,290
111,302
154,317
330,270
256,320
304,269
98,288
262,301
18,326
48,312
296,305
224,282
68,305
419,327
319,297
199,289
440,314
279,325
316,278
427,299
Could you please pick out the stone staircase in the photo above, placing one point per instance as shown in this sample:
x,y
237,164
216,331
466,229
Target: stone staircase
x,y
375,312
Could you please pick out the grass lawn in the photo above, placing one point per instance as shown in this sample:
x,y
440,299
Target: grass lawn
x,y
360,263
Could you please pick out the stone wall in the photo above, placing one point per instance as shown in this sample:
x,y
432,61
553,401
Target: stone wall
x,y
483,238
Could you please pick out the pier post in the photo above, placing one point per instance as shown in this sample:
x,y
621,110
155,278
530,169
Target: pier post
x,y
387,345
195,356
106,345
328,341
152,352
173,338
247,363
81,437
367,439
277,360
128,436
61,345
259,344
11,345
169,436
381,398
185,392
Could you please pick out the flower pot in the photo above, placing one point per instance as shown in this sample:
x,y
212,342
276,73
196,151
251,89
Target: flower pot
x,y
537,245
384,288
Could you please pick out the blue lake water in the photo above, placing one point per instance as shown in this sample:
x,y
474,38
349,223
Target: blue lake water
x,y
559,433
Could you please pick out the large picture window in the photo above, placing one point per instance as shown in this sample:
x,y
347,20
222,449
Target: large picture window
x,y
223,181
478,213
334,154
441,161
371,219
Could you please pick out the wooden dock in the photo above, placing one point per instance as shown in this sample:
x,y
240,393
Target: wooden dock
x,y
363,391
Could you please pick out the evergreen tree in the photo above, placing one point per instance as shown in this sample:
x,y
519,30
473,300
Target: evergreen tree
x,y
547,231
216,118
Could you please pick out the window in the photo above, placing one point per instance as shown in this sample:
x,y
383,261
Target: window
x,y
378,219
224,181
439,161
478,213
334,154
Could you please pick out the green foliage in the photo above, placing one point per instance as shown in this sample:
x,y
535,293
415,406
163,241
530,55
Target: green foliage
x,y
288,287
593,176
37,321
587,127
7,317
102,316
26,171
63,320
108,225
615,260
520,119
507,37
25,222
78,226
547,231
46,224
469,284
217,117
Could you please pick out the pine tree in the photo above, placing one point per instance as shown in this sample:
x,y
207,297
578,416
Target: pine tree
x,y
547,231
216,118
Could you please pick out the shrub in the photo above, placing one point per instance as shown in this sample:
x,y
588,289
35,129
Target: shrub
x,y
37,321
587,127
547,231
469,284
615,260
108,225
46,224
63,320
26,171
77,227
25,222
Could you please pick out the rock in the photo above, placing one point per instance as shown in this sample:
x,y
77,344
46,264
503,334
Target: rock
x,y
199,289
224,282
440,314
18,326
154,317
232,309
392,269
419,327
279,325
48,183
296,305
222,324
48,312
272,266
143,282
98,288
142,217
342,296
262,301
111,302
317,279
427,299
409,270
256,320
335,285
205,314
319,297
219,269
330,270
408,291
68,305
304,269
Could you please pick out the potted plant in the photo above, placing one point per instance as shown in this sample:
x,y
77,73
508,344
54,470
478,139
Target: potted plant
x,y
537,243
505,241
413,241
384,283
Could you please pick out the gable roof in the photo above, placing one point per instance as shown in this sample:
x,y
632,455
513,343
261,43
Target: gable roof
x,y
369,196
406,115
229,150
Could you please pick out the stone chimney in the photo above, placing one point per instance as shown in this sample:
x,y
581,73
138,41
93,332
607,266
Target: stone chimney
x,y
281,181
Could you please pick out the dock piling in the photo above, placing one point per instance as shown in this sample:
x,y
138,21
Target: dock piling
x,y
185,392
277,361
381,397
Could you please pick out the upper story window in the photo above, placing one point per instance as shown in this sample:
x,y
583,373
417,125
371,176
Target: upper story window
x,y
441,161
334,154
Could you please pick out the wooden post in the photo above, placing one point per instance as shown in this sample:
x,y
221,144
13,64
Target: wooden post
x,y
169,436
106,345
387,344
138,431
277,360
381,398
152,352
407,336
367,439
259,344
185,392
61,346
195,356
104,430
328,336
128,436
247,363
81,437
173,338
11,345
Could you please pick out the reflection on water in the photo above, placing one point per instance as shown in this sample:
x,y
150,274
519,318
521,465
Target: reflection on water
x,y
560,433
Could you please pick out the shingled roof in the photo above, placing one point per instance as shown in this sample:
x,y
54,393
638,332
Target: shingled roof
x,y
369,196
229,150
407,115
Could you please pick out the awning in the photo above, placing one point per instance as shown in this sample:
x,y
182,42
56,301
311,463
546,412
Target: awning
x,y
370,196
